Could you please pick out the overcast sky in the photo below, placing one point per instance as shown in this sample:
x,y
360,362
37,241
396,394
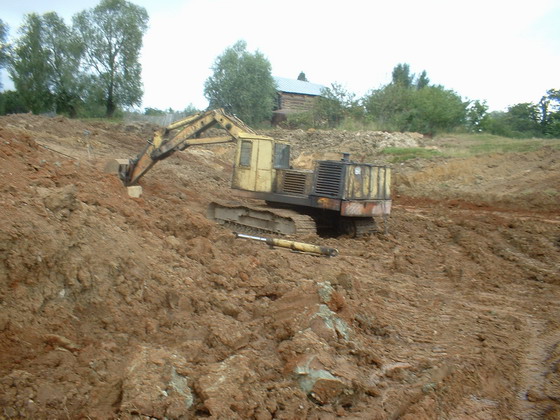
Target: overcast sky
x,y
501,51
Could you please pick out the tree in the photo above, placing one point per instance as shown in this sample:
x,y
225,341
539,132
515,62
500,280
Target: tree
x,y
412,104
63,53
401,76
497,124
520,120
242,83
423,80
11,102
335,104
4,47
29,67
389,106
154,112
434,109
477,116
550,113
45,64
523,119
528,119
302,77
112,36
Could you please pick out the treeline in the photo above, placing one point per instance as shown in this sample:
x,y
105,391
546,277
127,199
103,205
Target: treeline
x,y
242,83
88,68
91,69
411,103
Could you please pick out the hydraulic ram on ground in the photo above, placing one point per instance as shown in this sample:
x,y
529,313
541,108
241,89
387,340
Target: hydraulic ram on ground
x,y
295,246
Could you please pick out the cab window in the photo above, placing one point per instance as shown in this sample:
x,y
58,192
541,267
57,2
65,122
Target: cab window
x,y
281,156
246,152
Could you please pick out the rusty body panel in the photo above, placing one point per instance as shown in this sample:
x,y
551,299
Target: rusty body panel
x,y
367,182
365,208
326,203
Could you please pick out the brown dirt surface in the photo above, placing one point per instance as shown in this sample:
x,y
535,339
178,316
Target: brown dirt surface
x,y
113,307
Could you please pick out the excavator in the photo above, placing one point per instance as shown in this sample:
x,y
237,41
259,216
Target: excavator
x,y
338,196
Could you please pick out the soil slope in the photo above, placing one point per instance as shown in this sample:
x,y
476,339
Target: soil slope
x,y
112,307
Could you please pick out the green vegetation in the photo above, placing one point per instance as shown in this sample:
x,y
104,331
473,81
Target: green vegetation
x,y
335,106
45,63
528,119
4,47
300,120
401,154
464,145
88,69
467,145
411,103
91,69
111,36
242,84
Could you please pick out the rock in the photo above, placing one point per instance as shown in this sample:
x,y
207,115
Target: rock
x,y
224,384
59,199
318,382
327,325
327,389
231,333
155,385
59,341
173,242
134,191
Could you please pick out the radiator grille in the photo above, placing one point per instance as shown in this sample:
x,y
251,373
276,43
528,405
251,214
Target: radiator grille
x,y
329,179
294,183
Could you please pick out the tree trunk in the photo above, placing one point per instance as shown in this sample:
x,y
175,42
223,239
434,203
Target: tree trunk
x,y
110,108
110,101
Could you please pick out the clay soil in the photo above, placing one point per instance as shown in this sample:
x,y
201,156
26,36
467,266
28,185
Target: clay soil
x,y
113,307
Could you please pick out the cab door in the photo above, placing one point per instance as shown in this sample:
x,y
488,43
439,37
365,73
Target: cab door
x,y
253,169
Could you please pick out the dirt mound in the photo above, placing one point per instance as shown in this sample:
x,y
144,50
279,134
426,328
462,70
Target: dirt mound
x,y
112,307
514,180
74,138
363,146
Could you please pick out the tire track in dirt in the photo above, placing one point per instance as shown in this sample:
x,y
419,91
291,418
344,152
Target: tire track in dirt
x,y
534,399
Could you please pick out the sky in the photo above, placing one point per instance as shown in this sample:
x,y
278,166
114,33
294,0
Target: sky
x,y
503,52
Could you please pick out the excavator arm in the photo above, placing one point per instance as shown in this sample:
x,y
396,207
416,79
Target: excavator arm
x,y
178,136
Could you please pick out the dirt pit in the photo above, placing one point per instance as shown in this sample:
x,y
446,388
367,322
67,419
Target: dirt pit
x,y
112,307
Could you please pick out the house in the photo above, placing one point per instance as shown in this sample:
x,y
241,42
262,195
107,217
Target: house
x,y
294,96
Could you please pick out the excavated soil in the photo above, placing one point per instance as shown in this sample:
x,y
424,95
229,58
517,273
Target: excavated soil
x,y
113,307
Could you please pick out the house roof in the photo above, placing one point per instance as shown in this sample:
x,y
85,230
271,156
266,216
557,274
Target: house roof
x,y
298,86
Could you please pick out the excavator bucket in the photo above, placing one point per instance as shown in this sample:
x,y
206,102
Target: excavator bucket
x,y
117,166
121,168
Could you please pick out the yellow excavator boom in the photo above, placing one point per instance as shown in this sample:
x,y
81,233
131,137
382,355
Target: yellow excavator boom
x,y
180,135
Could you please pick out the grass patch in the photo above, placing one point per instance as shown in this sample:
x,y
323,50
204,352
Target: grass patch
x,y
401,154
468,145
465,145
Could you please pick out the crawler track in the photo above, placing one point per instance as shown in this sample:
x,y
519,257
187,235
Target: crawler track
x,y
262,220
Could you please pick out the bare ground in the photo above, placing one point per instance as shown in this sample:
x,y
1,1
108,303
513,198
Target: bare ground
x,y
112,307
